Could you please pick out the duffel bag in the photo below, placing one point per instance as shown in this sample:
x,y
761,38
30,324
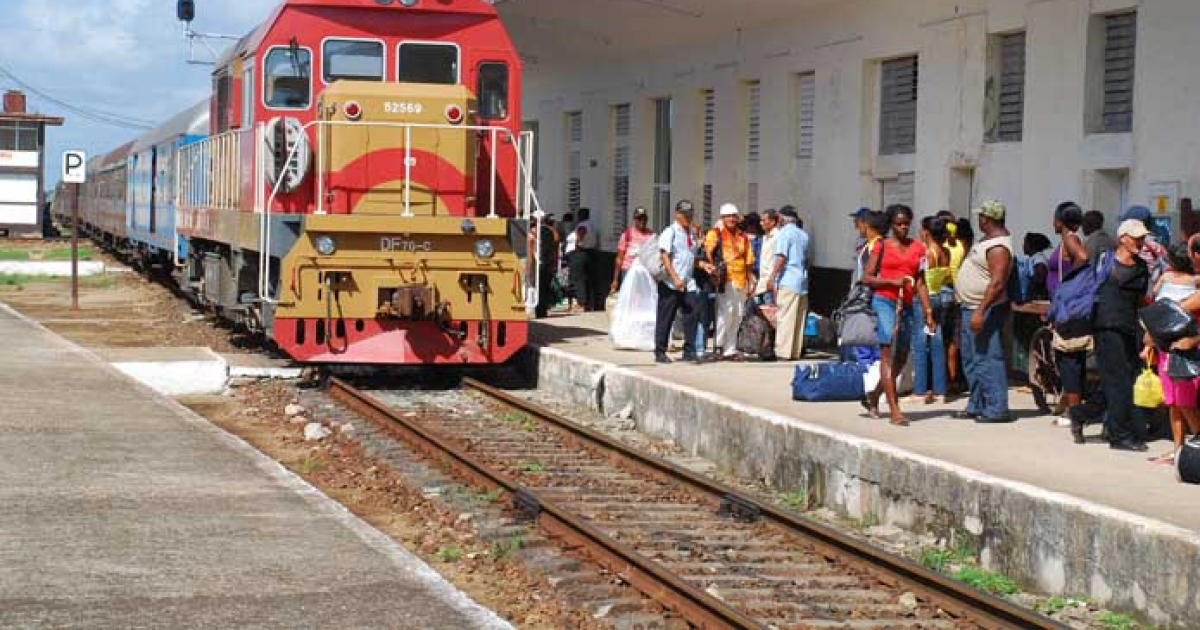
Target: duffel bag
x,y
826,382
1187,462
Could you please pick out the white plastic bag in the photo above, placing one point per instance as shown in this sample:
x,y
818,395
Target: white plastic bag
x,y
872,376
633,317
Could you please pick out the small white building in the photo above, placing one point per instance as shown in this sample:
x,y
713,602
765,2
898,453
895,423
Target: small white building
x,y
22,168
835,104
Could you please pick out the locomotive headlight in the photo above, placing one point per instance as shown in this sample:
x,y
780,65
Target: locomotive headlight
x,y
409,3
325,245
352,110
485,248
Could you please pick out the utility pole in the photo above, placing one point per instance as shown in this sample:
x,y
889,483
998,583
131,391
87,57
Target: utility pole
x,y
75,250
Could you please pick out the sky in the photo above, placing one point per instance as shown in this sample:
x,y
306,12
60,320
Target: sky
x,y
125,57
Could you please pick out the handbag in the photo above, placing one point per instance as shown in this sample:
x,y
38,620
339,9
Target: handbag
x,y
1183,365
1068,345
828,382
756,335
857,323
1148,388
720,273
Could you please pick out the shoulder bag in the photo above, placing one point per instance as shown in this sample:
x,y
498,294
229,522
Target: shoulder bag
x,y
1068,345
857,324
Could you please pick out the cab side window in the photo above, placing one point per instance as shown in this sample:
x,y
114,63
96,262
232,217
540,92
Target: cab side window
x,y
287,78
353,60
427,63
493,90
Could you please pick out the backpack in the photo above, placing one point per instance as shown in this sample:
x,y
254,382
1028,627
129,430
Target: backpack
x,y
1073,302
651,258
756,335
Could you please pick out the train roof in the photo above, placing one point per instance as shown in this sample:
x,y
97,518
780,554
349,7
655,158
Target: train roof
x,y
109,160
254,38
192,121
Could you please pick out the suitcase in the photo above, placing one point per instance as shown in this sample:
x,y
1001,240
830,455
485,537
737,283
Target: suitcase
x,y
828,382
1187,462
756,335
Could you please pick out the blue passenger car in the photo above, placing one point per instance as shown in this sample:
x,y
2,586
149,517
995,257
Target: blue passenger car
x,y
150,206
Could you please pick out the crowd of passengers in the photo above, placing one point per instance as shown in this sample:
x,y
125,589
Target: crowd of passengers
x,y
940,292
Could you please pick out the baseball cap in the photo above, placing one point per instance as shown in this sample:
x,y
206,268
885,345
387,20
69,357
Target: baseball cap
x,y
861,213
1133,228
992,209
1139,213
729,210
684,206
639,213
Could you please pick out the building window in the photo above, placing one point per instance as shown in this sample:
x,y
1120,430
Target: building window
x,y
898,106
804,90
753,121
709,127
493,91
664,123
427,63
17,136
621,127
574,160
1111,60
351,59
1005,88
898,190
287,83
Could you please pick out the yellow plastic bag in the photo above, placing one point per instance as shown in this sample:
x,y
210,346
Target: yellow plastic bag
x,y
1148,389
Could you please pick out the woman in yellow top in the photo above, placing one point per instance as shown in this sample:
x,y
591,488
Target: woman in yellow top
x,y
957,247
929,349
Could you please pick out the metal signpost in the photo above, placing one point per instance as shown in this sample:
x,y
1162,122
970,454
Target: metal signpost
x,y
74,171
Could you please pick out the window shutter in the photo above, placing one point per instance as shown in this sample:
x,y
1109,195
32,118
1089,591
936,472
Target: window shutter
x,y
1120,43
706,208
898,107
806,122
899,190
620,167
574,160
1011,106
753,120
575,127
710,124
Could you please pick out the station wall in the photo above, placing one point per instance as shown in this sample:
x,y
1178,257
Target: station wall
x,y
818,139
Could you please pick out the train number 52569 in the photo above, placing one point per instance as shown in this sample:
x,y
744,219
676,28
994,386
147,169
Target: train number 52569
x,y
394,107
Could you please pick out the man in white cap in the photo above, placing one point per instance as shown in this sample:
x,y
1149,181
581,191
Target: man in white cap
x,y
728,250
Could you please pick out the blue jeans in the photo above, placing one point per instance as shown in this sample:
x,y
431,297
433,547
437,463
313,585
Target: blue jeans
x,y
887,312
926,350
983,363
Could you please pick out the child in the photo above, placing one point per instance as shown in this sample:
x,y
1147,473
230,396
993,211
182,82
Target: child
x,y
1178,283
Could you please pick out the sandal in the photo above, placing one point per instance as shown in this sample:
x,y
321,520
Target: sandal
x,y
1166,459
870,402
899,422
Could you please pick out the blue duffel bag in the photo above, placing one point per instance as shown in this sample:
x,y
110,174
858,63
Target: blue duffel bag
x,y
825,382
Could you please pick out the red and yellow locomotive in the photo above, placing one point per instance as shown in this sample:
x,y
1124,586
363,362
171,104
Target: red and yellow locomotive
x,y
356,198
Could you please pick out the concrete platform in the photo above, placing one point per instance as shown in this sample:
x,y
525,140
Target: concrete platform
x,y
179,371
1061,518
51,268
122,509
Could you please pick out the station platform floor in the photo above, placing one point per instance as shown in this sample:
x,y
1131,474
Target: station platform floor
x,y
1032,450
122,509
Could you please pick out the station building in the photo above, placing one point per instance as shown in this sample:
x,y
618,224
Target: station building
x,y
22,168
835,104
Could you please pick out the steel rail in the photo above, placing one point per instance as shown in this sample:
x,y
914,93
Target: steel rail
x,y
693,604
950,595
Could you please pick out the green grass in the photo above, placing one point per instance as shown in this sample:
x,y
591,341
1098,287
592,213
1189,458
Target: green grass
x,y
13,254
64,253
1055,605
504,549
1115,621
798,501
451,553
16,279
940,560
310,465
987,581
513,417
486,497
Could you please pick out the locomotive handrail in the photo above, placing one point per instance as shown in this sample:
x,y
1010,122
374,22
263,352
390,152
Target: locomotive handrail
x,y
265,210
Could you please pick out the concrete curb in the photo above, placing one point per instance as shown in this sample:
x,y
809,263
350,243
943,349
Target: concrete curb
x,y
399,557
53,268
1051,542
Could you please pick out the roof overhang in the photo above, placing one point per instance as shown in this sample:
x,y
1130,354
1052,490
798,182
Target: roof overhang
x,y
53,121
564,34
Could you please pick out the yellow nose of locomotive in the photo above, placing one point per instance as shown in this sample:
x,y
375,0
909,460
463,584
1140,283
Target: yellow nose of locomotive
x,y
398,149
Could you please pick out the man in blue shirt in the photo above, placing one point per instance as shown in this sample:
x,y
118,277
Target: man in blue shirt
x,y
677,290
789,281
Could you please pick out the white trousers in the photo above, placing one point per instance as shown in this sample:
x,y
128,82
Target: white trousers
x,y
731,307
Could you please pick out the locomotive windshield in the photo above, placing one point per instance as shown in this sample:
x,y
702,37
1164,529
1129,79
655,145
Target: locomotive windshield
x,y
493,91
428,63
286,83
354,60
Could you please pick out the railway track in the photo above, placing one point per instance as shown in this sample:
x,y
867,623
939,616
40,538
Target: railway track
x,y
712,555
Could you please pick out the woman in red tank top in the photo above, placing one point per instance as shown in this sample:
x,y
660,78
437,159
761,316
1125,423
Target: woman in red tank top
x,y
894,271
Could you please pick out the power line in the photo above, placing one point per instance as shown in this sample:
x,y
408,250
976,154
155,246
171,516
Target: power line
x,y
116,120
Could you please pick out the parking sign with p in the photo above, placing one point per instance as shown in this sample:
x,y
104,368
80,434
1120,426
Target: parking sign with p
x,y
74,167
